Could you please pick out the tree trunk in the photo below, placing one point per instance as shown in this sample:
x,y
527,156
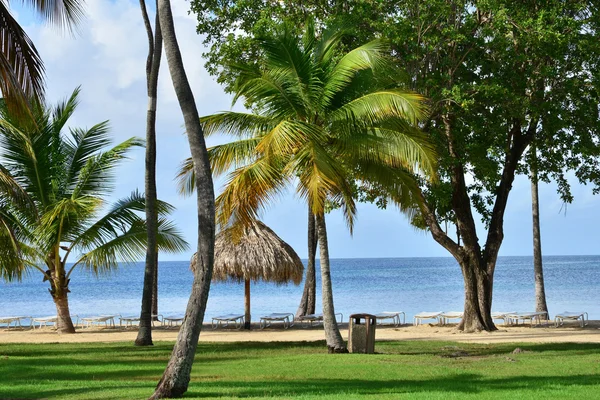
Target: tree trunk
x,y
335,343
478,297
247,316
64,324
540,292
309,295
155,292
175,380
144,337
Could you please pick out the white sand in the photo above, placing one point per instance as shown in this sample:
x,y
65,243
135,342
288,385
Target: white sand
x,y
571,333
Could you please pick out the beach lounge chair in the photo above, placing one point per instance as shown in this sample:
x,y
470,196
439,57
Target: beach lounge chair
x,y
318,318
286,318
393,315
44,321
107,320
237,319
532,317
173,320
9,320
445,316
128,321
571,316
418,319
504,316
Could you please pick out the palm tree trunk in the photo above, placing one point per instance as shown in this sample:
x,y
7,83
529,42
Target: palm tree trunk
x,y
247,316
64,323
335,343
175,380
155,292
540,292
309,295
144,337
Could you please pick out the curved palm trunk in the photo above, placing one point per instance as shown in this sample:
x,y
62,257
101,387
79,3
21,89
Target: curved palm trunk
x,y
309,295
59,289
155,292
335,343
175,380
540,291
144,337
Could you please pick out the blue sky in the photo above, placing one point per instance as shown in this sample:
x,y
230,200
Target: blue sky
x,y
107,58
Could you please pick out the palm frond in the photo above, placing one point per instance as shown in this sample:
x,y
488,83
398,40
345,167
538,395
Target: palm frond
x,y
238,124
65,14
21,67
376,107
85,144
249,189
288,136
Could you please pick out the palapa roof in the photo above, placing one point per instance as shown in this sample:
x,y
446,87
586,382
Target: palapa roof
x,y
259,254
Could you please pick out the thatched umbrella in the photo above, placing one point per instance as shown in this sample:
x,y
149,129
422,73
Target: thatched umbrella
x,y
256,254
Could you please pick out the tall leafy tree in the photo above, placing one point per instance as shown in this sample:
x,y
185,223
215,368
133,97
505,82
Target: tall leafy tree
x,y
498,73
324,120
176,377
21,68
53,189
150,291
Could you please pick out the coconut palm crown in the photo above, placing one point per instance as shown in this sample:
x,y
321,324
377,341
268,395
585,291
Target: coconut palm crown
x,y
324,119
52,191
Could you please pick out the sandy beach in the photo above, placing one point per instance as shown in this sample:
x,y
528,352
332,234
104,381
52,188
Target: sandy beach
x,y
543,334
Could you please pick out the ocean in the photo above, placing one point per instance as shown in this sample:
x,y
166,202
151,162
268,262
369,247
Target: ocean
x,y
368,285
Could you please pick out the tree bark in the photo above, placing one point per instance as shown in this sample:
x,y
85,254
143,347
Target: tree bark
x,y
335,343
64,323
538,271
309,295
144,337
155,292
175,380
247,316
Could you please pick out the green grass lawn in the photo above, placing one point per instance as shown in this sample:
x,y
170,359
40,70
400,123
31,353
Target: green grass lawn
x,y
419,370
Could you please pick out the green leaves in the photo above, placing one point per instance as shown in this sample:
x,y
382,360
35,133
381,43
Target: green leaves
x,y
53,188
324,119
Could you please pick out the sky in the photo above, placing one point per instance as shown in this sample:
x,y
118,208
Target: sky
x,y
107,59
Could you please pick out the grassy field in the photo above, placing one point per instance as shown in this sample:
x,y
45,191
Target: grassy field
x,y
416,370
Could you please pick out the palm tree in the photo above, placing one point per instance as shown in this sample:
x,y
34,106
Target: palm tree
x,y
52,195
21,68
538,270
324,120
150,291
176,377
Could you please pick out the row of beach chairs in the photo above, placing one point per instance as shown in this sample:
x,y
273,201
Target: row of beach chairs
x,y
287,320
509,318
88,321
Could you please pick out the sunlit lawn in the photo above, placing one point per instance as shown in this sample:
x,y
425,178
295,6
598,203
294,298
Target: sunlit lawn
x,y
422,370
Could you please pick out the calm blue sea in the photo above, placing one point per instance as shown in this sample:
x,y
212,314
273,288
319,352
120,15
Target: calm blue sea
x,y
359,285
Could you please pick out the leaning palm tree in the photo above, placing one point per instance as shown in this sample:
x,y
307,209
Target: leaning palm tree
x,y
52,191
21,68
324,120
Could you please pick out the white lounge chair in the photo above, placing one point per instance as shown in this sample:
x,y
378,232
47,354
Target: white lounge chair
x,y
418,319
445,316
393,315
504,316
286,318
532,317
44,321
237,319
173,320
310,318
9,320
107,320
128,321
571,316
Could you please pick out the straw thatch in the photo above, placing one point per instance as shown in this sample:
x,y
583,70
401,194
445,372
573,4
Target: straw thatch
x,y
259,254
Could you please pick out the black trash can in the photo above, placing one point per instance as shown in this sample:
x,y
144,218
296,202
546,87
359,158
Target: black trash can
x,y
362,333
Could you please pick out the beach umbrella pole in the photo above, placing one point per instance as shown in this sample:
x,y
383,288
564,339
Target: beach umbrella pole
x,y
247,303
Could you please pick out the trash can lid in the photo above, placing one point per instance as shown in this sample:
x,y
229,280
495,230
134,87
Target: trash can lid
x,y
362,315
